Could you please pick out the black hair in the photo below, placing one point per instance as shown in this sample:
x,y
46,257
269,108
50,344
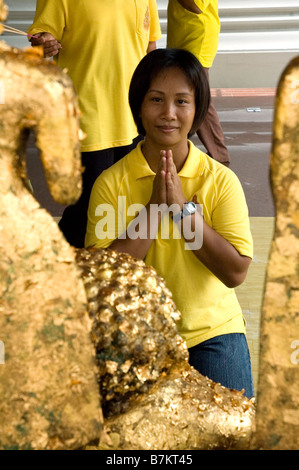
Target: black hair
x,y
155,62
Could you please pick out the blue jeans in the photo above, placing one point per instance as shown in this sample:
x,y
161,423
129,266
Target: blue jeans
x,y
225,359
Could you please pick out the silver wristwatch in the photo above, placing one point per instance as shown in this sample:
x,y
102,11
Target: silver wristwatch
x,y
188,209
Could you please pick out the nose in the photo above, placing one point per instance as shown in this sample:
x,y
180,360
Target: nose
x,y
169,111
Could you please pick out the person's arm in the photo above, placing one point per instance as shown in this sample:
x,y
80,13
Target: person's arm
x,y
149,223
216,253
152,45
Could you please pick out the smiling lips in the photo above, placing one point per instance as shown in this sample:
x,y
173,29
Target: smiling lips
x,y
167,129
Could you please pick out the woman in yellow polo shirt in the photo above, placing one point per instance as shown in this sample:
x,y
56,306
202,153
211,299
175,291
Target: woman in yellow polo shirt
x,y
201,255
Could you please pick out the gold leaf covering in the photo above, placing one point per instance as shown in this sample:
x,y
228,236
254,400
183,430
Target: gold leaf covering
x,y
48,387
278,387
151,397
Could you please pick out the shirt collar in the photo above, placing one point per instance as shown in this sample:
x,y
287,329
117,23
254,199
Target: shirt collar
x,y
194,165
138,164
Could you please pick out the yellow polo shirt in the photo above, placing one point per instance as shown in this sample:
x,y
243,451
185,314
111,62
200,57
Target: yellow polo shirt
x,y
102,43
196,33
208,307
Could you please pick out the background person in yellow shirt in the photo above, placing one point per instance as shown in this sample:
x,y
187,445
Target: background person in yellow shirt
x,y
194,25
169,97
99,42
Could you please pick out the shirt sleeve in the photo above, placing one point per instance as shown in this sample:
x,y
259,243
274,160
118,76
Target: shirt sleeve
x,y
50,17
102,216
230,216
155,27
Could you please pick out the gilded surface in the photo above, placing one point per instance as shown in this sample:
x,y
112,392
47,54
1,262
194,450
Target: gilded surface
x,y
183,410
3,11
48,387
278,389
151,397
134,325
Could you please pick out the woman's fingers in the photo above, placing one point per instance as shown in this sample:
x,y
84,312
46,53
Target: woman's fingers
x,y
170,166
175,193
159,195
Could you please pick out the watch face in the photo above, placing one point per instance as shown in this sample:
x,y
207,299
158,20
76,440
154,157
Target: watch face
x,y
189,208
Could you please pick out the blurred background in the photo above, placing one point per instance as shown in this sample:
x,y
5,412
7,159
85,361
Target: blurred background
x,y
258,37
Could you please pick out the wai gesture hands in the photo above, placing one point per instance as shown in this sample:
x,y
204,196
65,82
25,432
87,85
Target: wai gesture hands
x,y
167,186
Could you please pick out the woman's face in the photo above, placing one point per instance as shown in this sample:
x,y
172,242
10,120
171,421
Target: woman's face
x,y
168,109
